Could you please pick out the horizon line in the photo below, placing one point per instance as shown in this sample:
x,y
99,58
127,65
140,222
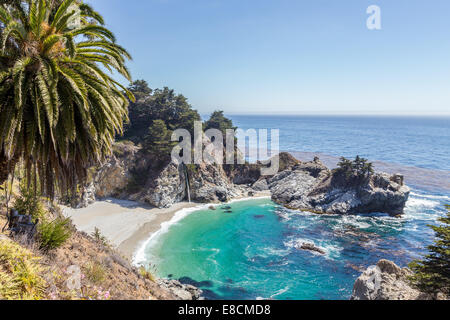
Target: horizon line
x,y
334,114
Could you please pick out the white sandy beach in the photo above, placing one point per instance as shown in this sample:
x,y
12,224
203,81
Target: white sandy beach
x,y
124,223
127,224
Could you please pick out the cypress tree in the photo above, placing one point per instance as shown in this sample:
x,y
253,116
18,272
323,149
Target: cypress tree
x,y
432,274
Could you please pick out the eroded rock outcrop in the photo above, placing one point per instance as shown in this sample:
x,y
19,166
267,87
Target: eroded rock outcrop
x,y
387,281
133,175
207,183
312,186
166,189
210,183
180,290
112,178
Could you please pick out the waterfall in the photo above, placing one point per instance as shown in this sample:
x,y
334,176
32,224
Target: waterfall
x,y
186,178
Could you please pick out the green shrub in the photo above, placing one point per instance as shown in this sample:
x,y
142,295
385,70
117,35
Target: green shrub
x,y
359,168
432,274
95,272
29,201
52,235
99,238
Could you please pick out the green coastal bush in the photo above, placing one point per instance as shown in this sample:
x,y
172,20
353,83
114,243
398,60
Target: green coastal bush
x,y
100,238
29,201
359,168
51,235
432,274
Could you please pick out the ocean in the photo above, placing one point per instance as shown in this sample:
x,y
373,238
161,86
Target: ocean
x,y
252,252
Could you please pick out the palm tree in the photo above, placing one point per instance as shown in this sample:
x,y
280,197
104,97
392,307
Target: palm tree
x,y
59,107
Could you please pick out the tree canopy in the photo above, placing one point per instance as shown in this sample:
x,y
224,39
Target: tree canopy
x,y
432,273
218,121
158,140
59,109
358,168
158,104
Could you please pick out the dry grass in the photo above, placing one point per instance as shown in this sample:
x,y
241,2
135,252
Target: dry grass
x,y
21,273
95,272
147,274
28,273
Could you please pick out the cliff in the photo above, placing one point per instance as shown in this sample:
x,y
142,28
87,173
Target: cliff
x,y
133,175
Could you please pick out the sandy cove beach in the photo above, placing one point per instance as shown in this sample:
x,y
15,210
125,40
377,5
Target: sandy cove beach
x,y
128,224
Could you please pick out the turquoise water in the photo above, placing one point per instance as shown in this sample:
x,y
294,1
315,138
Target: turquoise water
x,y
253,252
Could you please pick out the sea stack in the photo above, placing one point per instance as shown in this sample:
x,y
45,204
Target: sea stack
x,y
311,186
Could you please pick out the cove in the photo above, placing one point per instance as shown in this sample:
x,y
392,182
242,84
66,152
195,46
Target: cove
x,y
253,250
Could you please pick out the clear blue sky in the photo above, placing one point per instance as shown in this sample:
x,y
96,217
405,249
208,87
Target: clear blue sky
x,y
290,56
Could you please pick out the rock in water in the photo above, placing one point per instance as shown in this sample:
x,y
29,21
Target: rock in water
x,y
311,186
311,247
386,281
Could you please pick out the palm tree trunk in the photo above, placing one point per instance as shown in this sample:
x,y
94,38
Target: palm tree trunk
x,y
6,167
4,172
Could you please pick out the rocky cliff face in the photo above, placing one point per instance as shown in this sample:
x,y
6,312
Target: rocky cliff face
x,y
207,183
210,183
165,189
387,281
312,186
112,178
305,186
160,186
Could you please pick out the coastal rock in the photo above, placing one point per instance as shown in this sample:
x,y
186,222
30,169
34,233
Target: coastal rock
x,y
311,247
87,197
386,281
250,173
210,183
181,291
260,185
113,177
307,246
167,189
110,179
245,174
311,186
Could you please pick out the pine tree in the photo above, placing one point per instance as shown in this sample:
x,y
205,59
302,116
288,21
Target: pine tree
x,y
158,140
432,274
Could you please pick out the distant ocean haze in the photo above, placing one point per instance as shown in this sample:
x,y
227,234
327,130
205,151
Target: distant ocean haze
x,y
418,148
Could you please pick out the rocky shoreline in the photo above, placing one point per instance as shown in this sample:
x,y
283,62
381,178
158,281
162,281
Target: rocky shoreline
x,y
307,186
387,281
180,290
